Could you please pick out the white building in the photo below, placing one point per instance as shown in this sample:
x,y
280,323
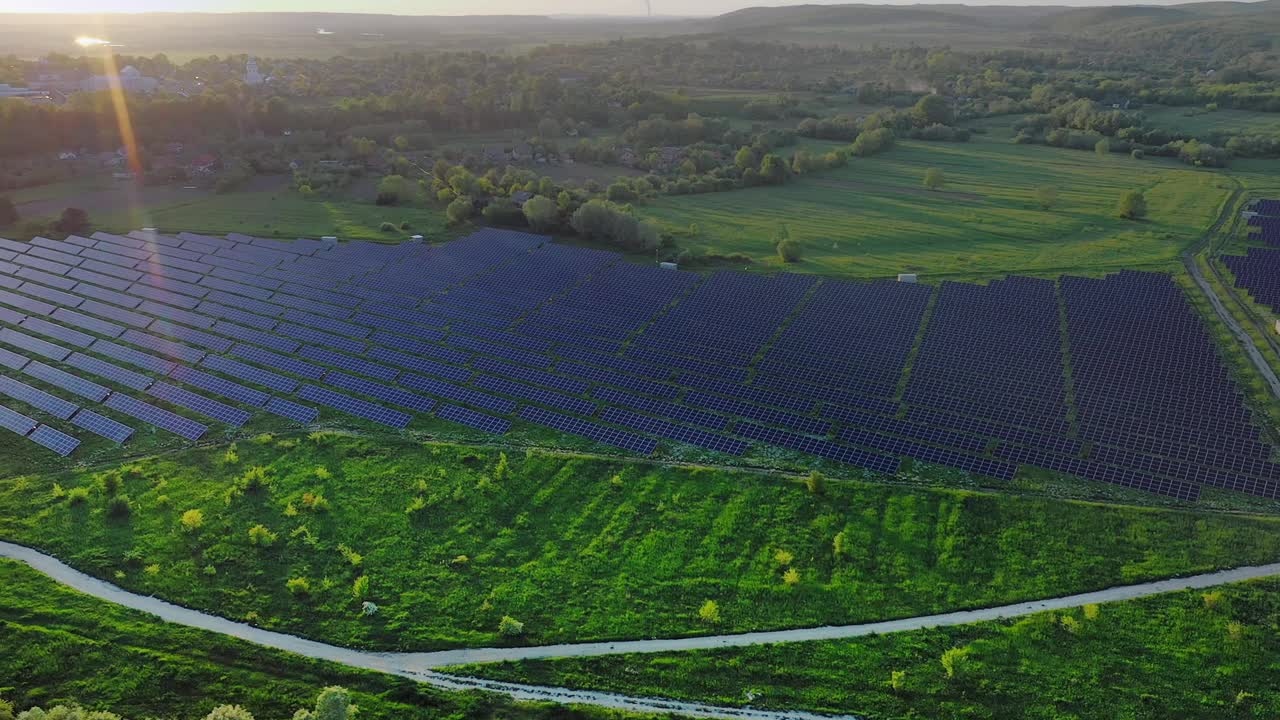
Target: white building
x,y
251,74
131,80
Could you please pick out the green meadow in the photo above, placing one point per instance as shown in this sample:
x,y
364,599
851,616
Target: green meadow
x,y
875,219
450,539
1200,121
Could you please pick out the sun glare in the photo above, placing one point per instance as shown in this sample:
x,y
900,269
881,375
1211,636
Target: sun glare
x,y
91,42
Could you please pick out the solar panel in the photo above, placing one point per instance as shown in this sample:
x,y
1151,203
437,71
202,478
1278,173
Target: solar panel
x,y
471,418
44,278
422,365
126,274
12,360
54,254
39,399
133,357
385,393
57,332
195,337
219,310
594,431
35,345
257,337
292,411
536,394
109,296
171,313
15,421
168,348
102,426
319,337
280,362
12,317
199,403
337,327
164,296
348,362
101,257
92,324
455,393
46,265
67,381
93,307
25,303
218,386
56,297
249,373
159,417
107,281
356,407
57,441
662,428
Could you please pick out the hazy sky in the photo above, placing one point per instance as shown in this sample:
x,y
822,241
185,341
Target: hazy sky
x,y
460,7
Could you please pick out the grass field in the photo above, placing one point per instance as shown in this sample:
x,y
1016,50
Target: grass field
x,y
577,548
874,219
1201,122
64,647
1203,655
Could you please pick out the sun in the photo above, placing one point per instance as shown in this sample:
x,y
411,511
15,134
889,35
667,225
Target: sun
x,y
88,42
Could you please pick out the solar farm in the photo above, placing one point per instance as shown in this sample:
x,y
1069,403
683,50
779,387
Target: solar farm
x,y
1108,379
1258,270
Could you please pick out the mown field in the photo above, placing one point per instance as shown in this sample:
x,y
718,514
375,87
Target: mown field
x,y
1196,655
1202,122
874,218
452,539
64,647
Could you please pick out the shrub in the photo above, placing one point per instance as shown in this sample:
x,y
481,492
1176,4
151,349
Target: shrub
x,y
840,545
709,612
228,712
1212,600
1046,196
459,210
360,588
510,627
78,496
1091,612
118,506
954,660
816,483
261,536
1132,206
503,469
192,520
368,609
898,680
416,505
790,251
934,179
387,227
1070,624
782,557
231,457
350,555
299,586
791,577
110,483
315,502
322,473
73,220
542,213
1102,147
8,212
1137,154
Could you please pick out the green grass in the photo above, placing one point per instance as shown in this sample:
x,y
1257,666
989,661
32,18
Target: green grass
x,y
874,219
1198,121
1169,656
63,647
280,213
580,548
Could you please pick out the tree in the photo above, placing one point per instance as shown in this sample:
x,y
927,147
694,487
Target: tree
x,y
1132,205
791,577
229,712
334,703
934,179
542,213
789,251
360,588
192,520
840,545
510,627
620,192
932,110
774,170
872,142
816,483
953,661
709,612
74,220
8,212
1102,147
548,129
1046,196
459,210
391,190
746,158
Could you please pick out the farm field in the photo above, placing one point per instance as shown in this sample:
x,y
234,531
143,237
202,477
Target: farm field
x,y
1193,654
451,538
1201,122
64,647
874,218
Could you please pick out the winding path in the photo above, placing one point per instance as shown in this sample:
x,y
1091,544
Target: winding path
x,y
421,666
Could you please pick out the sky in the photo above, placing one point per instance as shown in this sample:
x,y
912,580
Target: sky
x,y
462,7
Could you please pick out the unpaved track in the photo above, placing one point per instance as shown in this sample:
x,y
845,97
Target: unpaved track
x,y
421,666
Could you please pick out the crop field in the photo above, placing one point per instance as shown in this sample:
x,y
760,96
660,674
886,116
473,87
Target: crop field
x,y
874,218
452,538
1198,655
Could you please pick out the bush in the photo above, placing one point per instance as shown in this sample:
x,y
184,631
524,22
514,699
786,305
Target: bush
x,y
934,179
542,213
118,506
459,211
816,483
872,142
78,496
261,536
783,557
387,227
360,588
299,586
954,660
599,220
790,251
791,577
1132,205
229,712
1137,154
192,520
1046,196
709,612
8,212
510,627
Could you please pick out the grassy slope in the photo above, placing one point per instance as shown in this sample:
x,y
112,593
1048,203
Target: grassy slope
x,y
1163,657
61,646
881,223
576,555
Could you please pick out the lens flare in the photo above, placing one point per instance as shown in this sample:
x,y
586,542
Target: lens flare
x,y
88,42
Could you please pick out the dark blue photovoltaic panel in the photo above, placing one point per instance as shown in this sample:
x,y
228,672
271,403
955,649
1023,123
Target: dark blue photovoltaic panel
x,y
257,337
665,408
292,411
16,421
102,426
218,283
471,418
241,317
422,365
35,345
12,360
170,313
662,428
449,391
55,254
218,386
107,296
44,278
106,281
39,399
92,324
594,431
530,375
337,327
399,326
57,332
168,348
112,270
13,317
102,369
46,265
133,357
195,337
617,379
791,421
199,403
67,381
25,303
159,417
164,296
280,362
385,393
57,297
98,257
319,337
128,317
536,394
821,448
318,308
347,362
56,440
243,303
169,284
249,373
353,406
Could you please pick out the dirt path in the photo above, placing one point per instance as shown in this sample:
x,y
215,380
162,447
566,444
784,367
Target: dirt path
x,y
421,666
